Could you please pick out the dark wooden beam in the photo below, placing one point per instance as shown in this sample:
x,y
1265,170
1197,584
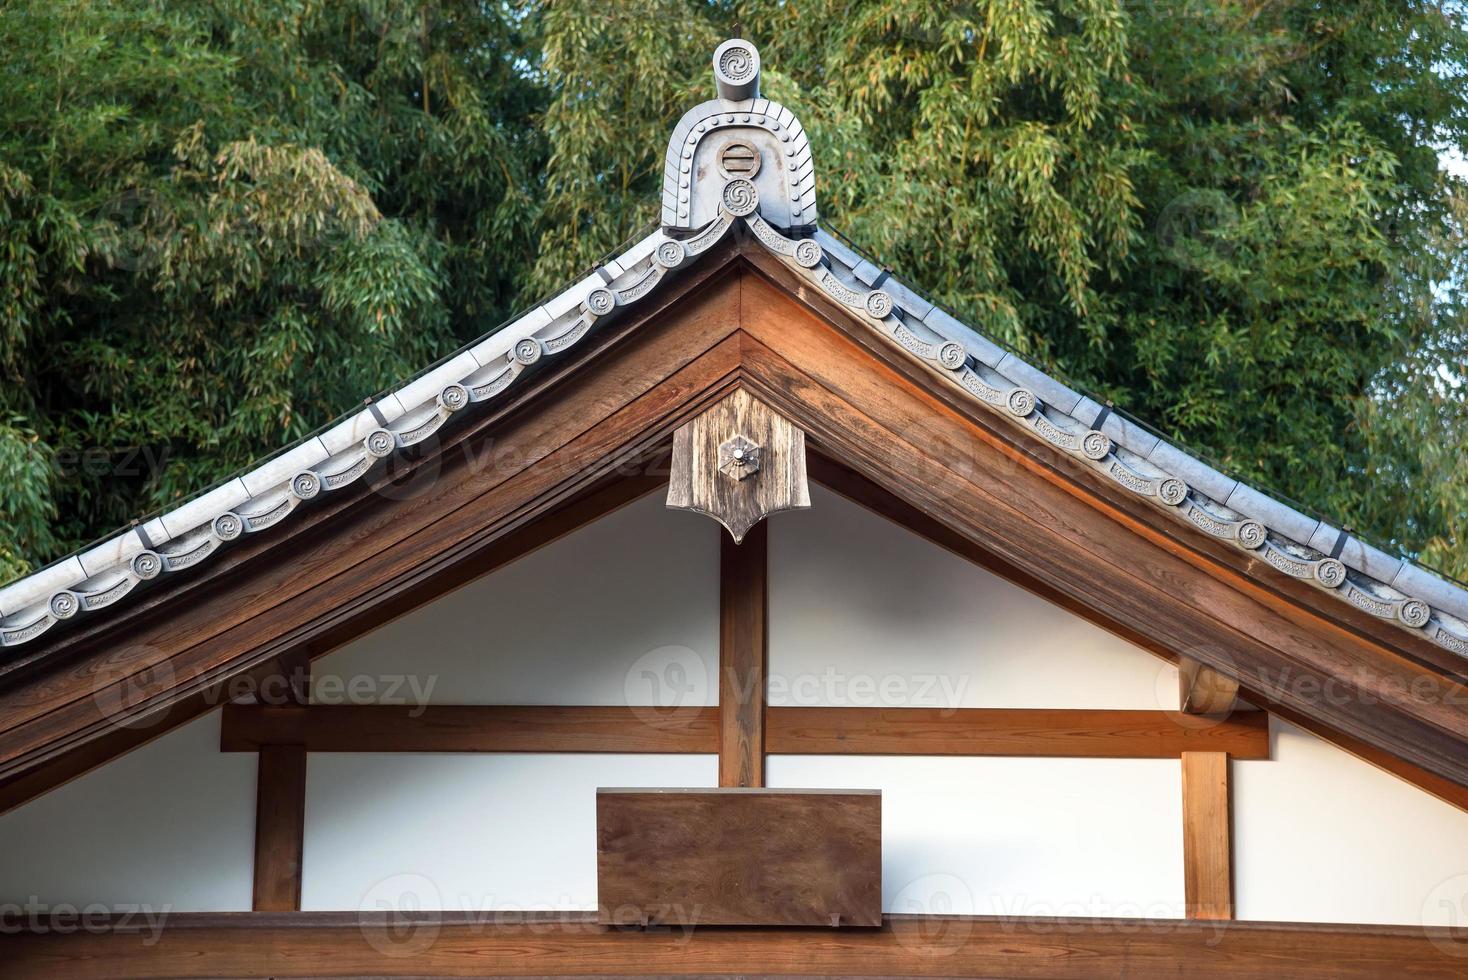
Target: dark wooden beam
x,y
603,499
1086,483
506,944
269,682
1429,782
469,728
358,550
280,827
1207,836
859,490
1074,732
743,656
978,474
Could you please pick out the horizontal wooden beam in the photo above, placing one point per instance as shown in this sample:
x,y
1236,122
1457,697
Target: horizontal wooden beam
x,y
862,491
489,944
1097,733
471,728
1076,732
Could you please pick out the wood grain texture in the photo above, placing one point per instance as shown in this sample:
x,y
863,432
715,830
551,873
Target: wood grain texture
x,y
471,728
357,551
473,945
1203,690
737,319
1429,782
601,500
739,857
995,485
743,657
856,488
280,828
739,462
1064,471
1074,732
271,681
1207,836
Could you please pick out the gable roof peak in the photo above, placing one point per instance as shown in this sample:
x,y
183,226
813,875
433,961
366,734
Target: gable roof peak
x,y
739,150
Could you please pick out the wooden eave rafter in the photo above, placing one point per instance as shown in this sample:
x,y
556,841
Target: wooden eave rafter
x,y
739,317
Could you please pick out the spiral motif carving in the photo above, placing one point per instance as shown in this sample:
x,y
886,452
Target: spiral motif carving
x,y
808,253
600,301
1021,402
379,443
453,397
737,63
879,304
1329,572
305,485
528,351
64,605
147,565
1096,445
1414,613
228,526
670,254
1172,491
740,198
952,355
1251,534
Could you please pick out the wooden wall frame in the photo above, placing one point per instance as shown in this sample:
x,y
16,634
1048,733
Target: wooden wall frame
x,y
736,319
740,320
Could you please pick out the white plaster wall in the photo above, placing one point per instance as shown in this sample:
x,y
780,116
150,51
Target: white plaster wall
x,y
624,611
466,832
863,613
169,827
1320,836
1013,837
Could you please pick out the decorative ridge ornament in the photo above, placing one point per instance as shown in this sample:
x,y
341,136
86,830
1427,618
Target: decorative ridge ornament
x,y
744,164
739,137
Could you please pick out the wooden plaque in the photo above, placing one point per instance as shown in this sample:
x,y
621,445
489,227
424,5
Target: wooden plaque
x,y
736,856
739,462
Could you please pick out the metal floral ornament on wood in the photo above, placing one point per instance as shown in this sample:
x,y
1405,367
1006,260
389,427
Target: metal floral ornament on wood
x,y
738,462
739,458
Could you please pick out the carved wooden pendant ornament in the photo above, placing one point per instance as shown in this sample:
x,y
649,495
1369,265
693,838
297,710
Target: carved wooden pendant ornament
x,y
738,462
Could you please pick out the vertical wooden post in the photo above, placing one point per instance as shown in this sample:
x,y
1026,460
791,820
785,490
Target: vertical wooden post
x,y
280,805
743,657
1207,836
280,828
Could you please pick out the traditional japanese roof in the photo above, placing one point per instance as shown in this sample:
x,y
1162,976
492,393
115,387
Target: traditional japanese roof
x,y
741,163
